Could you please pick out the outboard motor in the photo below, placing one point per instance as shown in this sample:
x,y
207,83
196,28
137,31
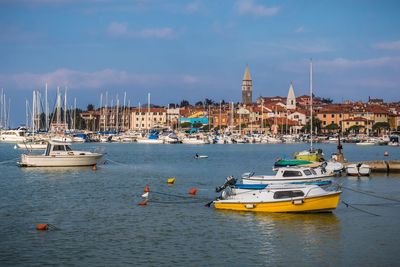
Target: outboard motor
x,y
229,181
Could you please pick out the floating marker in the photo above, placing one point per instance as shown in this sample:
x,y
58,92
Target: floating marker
x,y
42,227
171,180
146,188
386,154
193,191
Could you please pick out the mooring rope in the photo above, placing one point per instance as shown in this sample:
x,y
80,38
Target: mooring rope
x,y
370,194
351,206
7,161
178,196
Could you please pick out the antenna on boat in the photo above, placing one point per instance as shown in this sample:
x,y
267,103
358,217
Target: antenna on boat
x,y
311,105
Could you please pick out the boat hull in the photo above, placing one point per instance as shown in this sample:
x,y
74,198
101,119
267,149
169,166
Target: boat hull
x,y
312,204
59,161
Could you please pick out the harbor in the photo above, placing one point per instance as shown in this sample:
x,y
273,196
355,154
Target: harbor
x,y
98,217
199,133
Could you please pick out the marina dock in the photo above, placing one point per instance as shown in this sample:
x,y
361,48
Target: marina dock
x,y
382,166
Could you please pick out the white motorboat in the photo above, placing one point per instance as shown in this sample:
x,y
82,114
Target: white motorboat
x,y
59,154
293,174
62,139
195,140
42,145
358,169
13,136
279,198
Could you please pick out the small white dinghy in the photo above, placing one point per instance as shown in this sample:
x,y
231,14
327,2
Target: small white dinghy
x,y
358,169
200,156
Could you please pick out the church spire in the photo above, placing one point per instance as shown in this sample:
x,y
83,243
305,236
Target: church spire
x,y
291,98
247,87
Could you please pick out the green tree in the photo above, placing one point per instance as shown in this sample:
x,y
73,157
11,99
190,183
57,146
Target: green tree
x,y
184,103
90,107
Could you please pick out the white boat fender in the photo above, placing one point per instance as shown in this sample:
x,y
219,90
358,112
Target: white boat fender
x,y
249,206
297,202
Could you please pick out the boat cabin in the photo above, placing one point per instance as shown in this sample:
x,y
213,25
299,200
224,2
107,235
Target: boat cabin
x,y
58,149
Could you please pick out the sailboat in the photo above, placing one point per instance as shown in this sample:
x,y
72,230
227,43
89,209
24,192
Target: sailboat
x,y
311,154
307,156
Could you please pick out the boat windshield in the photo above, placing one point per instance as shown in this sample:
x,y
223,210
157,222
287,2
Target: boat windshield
x,y
292,173
68,148
58,148
288,194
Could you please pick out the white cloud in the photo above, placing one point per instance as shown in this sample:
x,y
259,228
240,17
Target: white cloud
x,y
247,7
388,45
106,78
308,47
300,29
118,29
343,63
192,7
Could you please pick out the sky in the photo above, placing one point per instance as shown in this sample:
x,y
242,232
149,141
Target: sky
x,y
197,49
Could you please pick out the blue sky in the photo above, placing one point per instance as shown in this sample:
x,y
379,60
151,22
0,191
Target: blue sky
x,y
197,49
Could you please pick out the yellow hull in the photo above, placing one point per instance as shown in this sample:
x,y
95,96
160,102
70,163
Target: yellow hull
x,y
312,204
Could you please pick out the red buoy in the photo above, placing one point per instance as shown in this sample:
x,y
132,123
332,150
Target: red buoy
x,y
143,203
193,191
147,188
42,226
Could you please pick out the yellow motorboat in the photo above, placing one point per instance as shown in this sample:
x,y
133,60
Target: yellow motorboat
x,y
279,198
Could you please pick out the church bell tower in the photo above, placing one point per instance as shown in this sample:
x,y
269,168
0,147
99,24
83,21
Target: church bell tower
x,y
247,87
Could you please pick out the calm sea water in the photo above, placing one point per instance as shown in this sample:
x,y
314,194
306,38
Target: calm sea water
x,y
100,223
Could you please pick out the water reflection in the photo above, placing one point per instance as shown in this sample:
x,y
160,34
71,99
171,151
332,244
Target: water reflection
x,y
301,234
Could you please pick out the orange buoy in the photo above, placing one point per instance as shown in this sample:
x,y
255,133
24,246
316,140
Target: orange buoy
x,y
42,226
94,167
146,188
143,203
193,191
171,180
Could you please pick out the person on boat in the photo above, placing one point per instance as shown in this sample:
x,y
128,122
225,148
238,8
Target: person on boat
x,y
196,156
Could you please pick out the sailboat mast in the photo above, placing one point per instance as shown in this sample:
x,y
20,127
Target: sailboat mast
x,y
148,111
311,105
46,111
65,107
74,113
33,110
123,114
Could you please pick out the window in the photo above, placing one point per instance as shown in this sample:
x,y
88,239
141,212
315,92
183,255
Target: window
x,y
288,194
340,115
324,116
313,172
307,172
332,115
58,148
324,122
291,173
